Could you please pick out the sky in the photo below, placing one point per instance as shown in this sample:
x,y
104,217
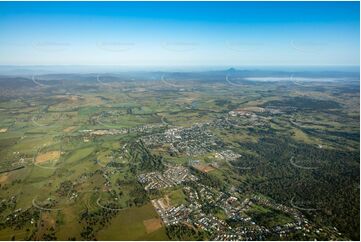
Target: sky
x,y
180,33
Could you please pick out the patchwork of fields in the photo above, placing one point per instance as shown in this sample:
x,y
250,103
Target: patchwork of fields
x,y
272,160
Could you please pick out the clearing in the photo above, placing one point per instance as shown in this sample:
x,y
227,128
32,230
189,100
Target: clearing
x,y
152,224
48,156
203,168
69,129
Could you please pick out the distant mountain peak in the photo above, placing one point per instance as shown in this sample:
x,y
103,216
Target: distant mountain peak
x,y
231,70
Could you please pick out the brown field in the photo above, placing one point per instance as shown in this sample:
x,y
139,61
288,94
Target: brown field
x,y
49,221
203,168
69,129
152,224
3,178
46,223
73,98
251,109
48,156
68,98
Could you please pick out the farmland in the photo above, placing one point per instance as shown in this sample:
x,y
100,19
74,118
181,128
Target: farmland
x,y
86,159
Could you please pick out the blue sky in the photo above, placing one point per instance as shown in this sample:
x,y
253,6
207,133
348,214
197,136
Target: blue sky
x,y
179,33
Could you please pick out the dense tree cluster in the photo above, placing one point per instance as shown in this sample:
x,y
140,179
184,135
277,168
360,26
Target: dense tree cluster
x,y
142,159
184,232
21,218
207,179
322,179
95,220
140,196
303,103
65,188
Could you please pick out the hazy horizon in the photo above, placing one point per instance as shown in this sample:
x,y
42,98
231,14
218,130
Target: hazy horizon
x,y
48,69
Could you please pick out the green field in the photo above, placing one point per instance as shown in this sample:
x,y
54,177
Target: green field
x,y
72,154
